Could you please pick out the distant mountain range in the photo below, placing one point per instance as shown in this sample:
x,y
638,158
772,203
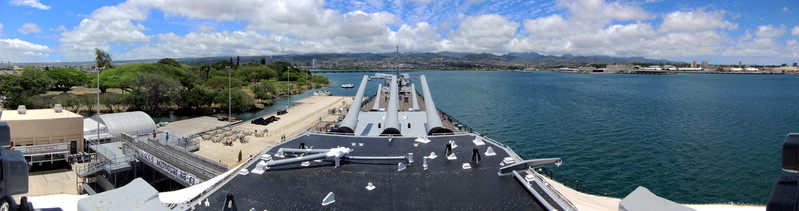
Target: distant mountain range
x,y
440,60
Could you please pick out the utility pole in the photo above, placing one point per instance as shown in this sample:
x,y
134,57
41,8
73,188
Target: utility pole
x,y
229,98
98,105
288,87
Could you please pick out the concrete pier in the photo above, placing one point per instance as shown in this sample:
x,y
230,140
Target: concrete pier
x,y
299,118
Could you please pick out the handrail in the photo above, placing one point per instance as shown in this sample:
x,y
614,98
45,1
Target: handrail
x,y
538,176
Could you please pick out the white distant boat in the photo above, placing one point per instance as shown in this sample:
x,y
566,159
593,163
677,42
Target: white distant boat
x,y
347,86
322,93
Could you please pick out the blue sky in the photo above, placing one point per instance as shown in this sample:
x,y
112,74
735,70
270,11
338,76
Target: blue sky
x,y
722,32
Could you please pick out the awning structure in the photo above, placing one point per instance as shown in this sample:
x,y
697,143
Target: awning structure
x,y
135,123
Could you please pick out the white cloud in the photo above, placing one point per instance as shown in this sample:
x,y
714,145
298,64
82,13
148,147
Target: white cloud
x,y
695,21
765,44
30,3
17,50
769,31
549,26
785,9
602,10
28,28
206,41
104,25
585,27
794,31
486,33
583,32
306,21
419,38
61,28
206,28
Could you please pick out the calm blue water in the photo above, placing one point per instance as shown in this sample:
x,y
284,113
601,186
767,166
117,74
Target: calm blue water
x,y
691,138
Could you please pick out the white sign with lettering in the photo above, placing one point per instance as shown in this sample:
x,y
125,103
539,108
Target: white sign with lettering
x,y
183,175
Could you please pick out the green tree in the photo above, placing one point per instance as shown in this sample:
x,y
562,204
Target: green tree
x,y
240,100
33,80
123,76
320,79
195,98
222,64
103,59
68,101
170,62
151,92
89,100
114,102
291,75
66,78
264,89
220,83
280,67
19,88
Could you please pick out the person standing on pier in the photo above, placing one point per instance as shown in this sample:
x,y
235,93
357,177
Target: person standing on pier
x,y
167,137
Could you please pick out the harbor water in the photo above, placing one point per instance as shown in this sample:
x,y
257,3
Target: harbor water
x,y
691,138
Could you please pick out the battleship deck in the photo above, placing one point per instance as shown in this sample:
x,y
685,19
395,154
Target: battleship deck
x,y
446,185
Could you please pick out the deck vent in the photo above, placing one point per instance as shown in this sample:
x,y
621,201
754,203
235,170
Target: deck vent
x,y
401,166
260,168
476,155
424,164
453,144
410,157
432,155
229,203
452,157
466,166
58,108
370,186
422,139
448,151
21,109
490,152
478,142
329,199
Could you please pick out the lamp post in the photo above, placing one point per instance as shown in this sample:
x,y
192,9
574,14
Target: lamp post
x,y
98,103
229,98
288,87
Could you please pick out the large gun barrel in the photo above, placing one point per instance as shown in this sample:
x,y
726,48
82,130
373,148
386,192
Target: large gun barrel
x,y
351,120
434,123
413,96
377,98
392,113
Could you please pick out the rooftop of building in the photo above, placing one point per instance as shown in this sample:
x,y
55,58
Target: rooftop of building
x,y
37,114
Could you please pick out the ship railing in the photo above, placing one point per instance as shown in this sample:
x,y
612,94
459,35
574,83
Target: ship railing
x,y
560,195
574,184
367,101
